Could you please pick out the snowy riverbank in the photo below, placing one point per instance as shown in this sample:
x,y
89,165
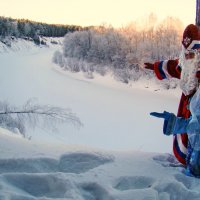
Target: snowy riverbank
x,y
119,154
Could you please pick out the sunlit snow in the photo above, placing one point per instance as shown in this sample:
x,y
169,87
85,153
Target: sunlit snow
x,y
119,154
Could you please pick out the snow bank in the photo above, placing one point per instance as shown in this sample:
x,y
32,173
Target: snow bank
x,y
26,45
89,174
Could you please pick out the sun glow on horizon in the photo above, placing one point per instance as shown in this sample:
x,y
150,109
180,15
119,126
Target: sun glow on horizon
x,y
95,12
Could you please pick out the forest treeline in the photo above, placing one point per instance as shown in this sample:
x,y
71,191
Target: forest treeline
x,y
102,49
120,51
23,28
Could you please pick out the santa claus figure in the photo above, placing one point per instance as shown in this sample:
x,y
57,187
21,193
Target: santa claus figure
x,y
186,68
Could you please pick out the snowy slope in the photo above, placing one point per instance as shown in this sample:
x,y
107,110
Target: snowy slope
x,y
110,158
23,46
115,116
32,171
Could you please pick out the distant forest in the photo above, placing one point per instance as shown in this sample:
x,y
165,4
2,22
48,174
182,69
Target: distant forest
x,y
23,28
104,49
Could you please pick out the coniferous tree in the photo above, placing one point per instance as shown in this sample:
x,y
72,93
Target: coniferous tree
x,y
24,28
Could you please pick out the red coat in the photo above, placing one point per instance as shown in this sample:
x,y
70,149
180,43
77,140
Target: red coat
x,y
167,69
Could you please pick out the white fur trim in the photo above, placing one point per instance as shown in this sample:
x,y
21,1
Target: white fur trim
x,y
181,145
164,67
192,44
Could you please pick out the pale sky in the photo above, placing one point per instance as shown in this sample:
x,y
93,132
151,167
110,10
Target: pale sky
x,y
96,12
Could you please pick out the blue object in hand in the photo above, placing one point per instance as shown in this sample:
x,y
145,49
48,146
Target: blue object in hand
x,y
169,121
172,124
165,115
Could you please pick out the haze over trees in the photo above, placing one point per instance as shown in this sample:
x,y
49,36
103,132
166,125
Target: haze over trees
x,y
120,51
104,49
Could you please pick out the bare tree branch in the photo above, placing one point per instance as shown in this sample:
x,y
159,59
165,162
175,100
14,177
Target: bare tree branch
x,y
35,114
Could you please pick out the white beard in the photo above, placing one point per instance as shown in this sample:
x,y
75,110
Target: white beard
x,y
189,81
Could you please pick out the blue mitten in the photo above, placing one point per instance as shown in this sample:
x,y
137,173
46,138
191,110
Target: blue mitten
x,y
172,124
169,121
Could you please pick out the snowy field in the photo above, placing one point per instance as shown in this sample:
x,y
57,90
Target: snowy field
x,y
118,154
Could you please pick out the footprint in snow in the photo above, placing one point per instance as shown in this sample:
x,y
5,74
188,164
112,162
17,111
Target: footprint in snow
x,y
17,197
187,181
68,163
167,160
173,189
92,191
82,162
39,185
133,182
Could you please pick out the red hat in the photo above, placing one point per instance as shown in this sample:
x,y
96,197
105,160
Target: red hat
x,y
191,37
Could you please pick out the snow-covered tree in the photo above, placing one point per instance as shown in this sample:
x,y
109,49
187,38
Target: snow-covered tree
x,y
120,51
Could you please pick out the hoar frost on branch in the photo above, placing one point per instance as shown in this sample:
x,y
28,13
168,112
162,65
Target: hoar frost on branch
x,y
120,52
14,118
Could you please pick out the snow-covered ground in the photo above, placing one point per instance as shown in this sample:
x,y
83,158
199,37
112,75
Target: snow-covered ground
x,y
119,154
